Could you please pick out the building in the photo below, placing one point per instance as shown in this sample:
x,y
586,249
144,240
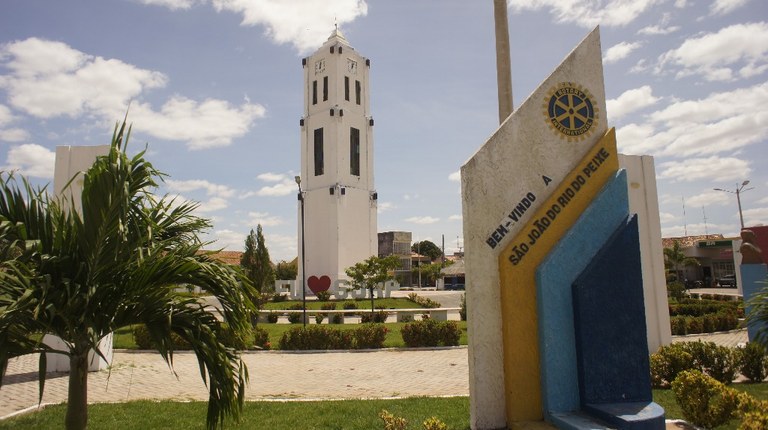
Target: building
x,y
339,199
398,243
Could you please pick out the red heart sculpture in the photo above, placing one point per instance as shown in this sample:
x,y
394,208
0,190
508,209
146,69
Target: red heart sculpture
x,y
317,285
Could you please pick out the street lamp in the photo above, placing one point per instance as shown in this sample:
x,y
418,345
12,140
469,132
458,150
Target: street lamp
x,y
303,267
739,189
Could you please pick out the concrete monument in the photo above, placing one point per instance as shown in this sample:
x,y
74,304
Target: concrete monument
x,y
553,264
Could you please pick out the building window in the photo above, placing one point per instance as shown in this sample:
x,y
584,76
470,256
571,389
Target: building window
x,y
358,91
314,92
354,151
346,88
319,166
325,88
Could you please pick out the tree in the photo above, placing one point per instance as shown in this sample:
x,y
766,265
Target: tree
x,y
427,248
758,315
287,270
371,272
255,262
674,258
81,276
432,271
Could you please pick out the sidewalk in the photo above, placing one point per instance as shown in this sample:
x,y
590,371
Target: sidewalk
x,y
273,375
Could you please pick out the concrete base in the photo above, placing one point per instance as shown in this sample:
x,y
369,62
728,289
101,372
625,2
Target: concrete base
x,y
622,416
60,362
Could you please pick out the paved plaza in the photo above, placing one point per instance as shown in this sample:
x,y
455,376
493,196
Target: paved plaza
x,y
274,375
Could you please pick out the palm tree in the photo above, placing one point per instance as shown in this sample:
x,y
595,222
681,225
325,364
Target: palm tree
x,y
675,258
81,276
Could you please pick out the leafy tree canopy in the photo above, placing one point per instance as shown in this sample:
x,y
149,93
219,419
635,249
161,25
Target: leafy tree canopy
x,y
82,275
427,248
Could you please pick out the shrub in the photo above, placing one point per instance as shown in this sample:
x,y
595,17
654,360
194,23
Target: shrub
x,y
753,412
429,332
704,401
261,338
375,317
272,317
676,290
694,325
323,296
433,423
392,422
754,362
295,317
719,362
319,318
277,298
328,306
369,336
228,337
679,327
463,310
667,363
349,305
144,341
424,302
315,337
337,319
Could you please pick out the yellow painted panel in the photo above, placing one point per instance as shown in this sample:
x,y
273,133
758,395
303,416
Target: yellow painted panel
x,y
517,270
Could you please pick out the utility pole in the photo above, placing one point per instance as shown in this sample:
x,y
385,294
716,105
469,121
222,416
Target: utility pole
x,y
503,66
739,189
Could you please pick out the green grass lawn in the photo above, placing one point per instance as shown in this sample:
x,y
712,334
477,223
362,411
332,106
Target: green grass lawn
x,y
347,414
123,338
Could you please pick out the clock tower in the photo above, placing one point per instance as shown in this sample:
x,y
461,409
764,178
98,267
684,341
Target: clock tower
x,y
339,199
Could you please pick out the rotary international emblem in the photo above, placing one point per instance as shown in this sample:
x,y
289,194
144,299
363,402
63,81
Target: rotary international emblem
x,y
569,111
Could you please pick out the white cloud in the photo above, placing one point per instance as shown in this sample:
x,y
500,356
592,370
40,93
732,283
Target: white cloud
x,y
455,176
172,4
31,160
658,30
666,217
6,117
50,79
208,124
708,198
704,169
455,218
422,220
385,206
756,216
720,123
14,135
211,189
272,177
213,204
740,50
619,51
588,14
305,24
630,101
264,218
284,188
723,7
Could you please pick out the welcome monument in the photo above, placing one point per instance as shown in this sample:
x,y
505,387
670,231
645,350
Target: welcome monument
x,y
556,322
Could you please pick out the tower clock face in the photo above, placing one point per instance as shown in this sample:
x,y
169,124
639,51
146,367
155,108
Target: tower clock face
x,y
319,66
352,66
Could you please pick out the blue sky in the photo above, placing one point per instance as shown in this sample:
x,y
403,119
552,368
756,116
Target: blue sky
x,y
215,89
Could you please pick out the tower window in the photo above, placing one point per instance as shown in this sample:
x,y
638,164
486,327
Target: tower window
x,y
325,88
346,88
358,91
354,151
314,92
319,165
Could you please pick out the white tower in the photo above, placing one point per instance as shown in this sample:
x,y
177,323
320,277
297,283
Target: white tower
x,y
336,163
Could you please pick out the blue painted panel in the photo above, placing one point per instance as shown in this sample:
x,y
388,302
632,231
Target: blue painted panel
x,y
554,277
753,278
611,339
